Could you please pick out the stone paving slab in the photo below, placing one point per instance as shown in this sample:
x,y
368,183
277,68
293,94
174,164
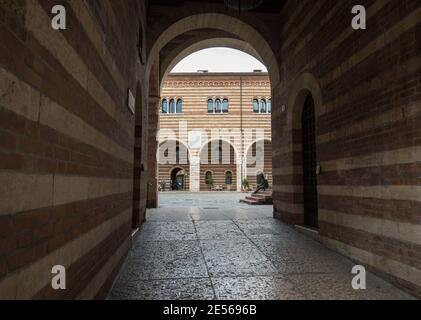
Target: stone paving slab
x,y
164,260
256,288
174,289
337,287
168,230
215,230
217,249
235,257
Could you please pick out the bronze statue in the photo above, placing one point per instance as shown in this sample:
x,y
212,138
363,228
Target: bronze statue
x,y
262,182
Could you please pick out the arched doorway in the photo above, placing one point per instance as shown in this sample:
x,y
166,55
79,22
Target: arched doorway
x,y
173,166
178,177
139,188
309,163
229,180
217,158
177,37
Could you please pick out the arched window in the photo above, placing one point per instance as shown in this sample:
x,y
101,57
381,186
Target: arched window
x,y
228,178
179,106
210,106
172,106
208,178
218,106
263,106
225,106
256,106
270,106
164,106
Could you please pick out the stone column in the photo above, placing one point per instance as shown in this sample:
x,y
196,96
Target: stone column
x,y
239,169
195,174
152,168
244,168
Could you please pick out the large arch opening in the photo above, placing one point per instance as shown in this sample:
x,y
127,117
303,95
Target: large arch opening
x,y
204,22
173,166
308,136
219,158
235,115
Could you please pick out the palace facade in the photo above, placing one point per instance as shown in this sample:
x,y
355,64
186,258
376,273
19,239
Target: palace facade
x,y
215,131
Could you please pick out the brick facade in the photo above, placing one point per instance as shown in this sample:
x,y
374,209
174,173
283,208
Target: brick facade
x,y
66,151
240,127
367,90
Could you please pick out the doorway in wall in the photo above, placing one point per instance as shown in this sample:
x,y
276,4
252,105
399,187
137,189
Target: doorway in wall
x,y
309,164
177,179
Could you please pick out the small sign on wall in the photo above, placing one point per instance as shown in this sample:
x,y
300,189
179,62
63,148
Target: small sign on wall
x,y
131,101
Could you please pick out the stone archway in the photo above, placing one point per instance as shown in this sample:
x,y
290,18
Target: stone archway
x,y
223,22
181,159
305,85
197,44
219,157
185,32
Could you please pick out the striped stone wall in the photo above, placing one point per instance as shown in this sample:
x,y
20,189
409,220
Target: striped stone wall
x,y
66,145
367,90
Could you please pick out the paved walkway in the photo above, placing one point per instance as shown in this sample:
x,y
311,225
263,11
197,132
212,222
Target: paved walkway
x,y
214,248
202,199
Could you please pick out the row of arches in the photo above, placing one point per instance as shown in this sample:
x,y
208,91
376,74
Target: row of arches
x,y
213,151
179,180
262,105
171,106
218,105
218,158
259,106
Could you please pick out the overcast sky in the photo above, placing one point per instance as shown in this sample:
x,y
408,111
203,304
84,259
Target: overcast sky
x,y
219,60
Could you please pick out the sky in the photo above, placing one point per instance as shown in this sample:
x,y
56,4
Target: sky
x,y
219,60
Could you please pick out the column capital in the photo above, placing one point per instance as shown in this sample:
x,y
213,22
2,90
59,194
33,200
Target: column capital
x,y
195,160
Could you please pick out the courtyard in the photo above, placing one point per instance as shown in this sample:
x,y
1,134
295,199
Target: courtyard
x,y
208,246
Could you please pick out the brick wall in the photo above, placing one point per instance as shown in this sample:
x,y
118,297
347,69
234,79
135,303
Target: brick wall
x,y
367,88
66,144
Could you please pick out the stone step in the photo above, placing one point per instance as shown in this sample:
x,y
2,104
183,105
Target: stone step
x,y
254,200
265,193
261,196
250,202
